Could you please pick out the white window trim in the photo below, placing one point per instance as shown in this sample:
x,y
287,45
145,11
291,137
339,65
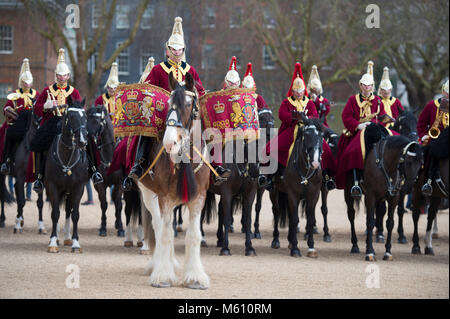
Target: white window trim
x,y
204,58
145,55
150,11
7,88
12,40
266,67
210,26
120,26
235,26
127,52
95,15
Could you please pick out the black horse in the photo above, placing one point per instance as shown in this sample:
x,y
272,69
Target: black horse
x,y
101,133
29,123
406,125
390,163
299,182
67,172
437,151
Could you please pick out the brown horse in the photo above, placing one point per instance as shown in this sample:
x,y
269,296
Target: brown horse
x,y
174,183
440,183
390,163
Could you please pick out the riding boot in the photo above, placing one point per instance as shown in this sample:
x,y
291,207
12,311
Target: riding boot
x,y
95,174
141,160
5,168
427,189
329,181
356,190
224,174
38,185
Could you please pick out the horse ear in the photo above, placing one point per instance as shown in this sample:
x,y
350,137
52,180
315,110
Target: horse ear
x,y
189,80
83,103
172,82
303,117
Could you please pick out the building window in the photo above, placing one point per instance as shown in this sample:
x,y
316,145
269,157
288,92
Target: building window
x,y
236,18
6,39
147,17
92,63
209,19
122,12
269,21
96,14
268,63
235,50
5,88
208,57
123,60
145,55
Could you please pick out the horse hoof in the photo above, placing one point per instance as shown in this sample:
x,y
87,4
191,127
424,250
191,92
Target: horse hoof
x,y
295,253
21,223
42,232
140,244
144,252
312,254
203,244
429,251
388,257
102,233
219,244
257,235
275,244
416,250
316,230
402,240
121,233
161,285
128,244
250,253
370,257
52,249
225,252
290,246
327,238
231,229
355,250
68,242
77,250
179,229
195,285
380,239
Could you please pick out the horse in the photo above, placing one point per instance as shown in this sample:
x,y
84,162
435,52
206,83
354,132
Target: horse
x,y
101,133
440,183
406,125
391,163
299,182
67,161
18,170
5,197
173,183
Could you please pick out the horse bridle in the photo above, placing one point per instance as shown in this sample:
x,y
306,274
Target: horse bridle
x,y
102,115
318,147
72,130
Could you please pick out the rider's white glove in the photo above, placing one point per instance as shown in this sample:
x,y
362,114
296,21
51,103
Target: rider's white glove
x,y
362,126
50,103
425,137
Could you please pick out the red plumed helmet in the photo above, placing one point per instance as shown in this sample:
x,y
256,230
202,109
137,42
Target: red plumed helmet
x,y
232,75
249,81
297,83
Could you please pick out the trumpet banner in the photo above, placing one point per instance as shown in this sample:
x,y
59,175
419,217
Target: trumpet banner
x,y
141,109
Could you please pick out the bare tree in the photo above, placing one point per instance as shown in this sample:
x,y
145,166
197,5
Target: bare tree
x,y
48,19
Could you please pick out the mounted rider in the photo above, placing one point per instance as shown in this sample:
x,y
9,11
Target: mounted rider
x,y
433,120
50,106
107,98
392,105
360,111
22,99
159,76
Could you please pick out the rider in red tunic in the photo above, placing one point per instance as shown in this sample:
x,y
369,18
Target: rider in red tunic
x,y
392,105
107,98
361,110
22,99
435,115
315,90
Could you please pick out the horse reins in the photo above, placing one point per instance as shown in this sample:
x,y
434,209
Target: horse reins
x,y
310,172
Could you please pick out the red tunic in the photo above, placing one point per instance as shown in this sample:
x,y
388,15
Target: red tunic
x,y
285,136
26,101
108,102
392,107
350,152
427,118
61,96
159,76
320,103
261,103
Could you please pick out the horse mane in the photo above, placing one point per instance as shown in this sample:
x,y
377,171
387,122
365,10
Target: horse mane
x,y
395,142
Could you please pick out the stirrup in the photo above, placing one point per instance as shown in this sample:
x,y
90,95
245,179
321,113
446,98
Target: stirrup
x,y
427,189
97,178
136,172
127,184
330,184
4,169
38,187
356,191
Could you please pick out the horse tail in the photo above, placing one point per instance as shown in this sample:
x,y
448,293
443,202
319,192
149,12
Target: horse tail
x,y
210,208
357,202
282,200
237,204
186,183
133,204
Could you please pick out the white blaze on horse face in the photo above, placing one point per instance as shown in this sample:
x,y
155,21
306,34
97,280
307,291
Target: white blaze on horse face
x,y
171,137
316,162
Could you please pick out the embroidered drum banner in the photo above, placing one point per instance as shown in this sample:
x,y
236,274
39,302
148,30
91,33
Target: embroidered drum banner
x,y
232,112
141,109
